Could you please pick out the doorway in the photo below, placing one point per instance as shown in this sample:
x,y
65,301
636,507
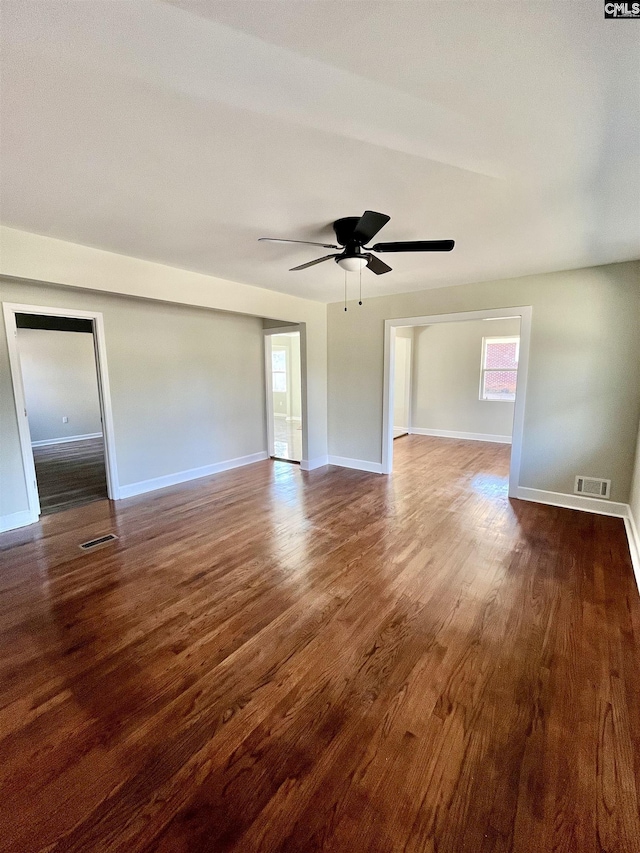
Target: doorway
x,y
284,395
485,391
61,390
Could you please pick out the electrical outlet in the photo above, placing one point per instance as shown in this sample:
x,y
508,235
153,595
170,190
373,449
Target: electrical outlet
x,y
65,420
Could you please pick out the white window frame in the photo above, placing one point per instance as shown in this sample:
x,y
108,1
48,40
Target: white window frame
x,y
509,339
285,372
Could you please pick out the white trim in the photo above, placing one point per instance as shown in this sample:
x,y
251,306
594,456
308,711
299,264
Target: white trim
x,y
304,409
152,485
104,394
47,441
312,464
579,502
634,545
593,505
17,519
525,313
268,396
24,433
356,464
10,309
467,436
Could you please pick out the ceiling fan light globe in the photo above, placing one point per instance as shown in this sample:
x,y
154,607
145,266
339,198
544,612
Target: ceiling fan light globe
x,y
352,264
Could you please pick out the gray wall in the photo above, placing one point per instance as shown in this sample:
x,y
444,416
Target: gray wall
x,y
446,379
583,401
59,376
33,257
402,381
268,323
187,386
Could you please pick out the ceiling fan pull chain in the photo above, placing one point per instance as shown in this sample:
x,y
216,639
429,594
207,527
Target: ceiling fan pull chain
x,y
345,290
360,300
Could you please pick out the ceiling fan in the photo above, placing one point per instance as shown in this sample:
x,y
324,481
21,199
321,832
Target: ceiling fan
x,y
353,232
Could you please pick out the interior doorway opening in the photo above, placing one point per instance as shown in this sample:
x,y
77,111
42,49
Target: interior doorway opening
x,y
465,379
60,380
63,403
284,395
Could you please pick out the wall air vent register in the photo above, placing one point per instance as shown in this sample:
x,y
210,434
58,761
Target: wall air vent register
x,y
593,487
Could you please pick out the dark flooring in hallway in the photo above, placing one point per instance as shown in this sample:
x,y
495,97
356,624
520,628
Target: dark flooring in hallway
x,y
70,474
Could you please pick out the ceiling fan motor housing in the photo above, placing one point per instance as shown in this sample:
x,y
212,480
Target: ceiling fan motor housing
x,y
344,229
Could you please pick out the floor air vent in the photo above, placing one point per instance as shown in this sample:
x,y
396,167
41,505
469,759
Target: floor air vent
x,y
102,540
593,487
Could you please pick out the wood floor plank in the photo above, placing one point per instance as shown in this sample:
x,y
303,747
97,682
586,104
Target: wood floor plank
x,y
70,474
278,660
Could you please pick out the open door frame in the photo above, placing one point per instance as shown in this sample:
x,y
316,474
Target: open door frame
x,y
10,309
390,326
284,330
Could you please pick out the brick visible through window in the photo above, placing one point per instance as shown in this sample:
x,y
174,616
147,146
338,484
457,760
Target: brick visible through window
x,y
499,368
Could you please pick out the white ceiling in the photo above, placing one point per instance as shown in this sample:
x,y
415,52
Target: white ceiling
x,y
182,131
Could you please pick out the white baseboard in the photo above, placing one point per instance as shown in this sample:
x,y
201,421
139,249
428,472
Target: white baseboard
x,y
357,464
579,502
66,439
634,545
312,464
140,488
17,519
594,505
467,436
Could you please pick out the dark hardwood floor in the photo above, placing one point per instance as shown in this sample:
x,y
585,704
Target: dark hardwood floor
x,y
70,474
276,660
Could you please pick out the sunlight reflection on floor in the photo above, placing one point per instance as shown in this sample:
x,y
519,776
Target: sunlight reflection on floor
x,y
490,486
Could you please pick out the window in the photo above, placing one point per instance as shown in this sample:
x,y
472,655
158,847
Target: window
x,y
279,370
499,368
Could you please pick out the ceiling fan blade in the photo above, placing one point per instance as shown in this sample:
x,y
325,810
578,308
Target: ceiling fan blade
x,y
312,263
306,242
376,265
415,246
368,226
